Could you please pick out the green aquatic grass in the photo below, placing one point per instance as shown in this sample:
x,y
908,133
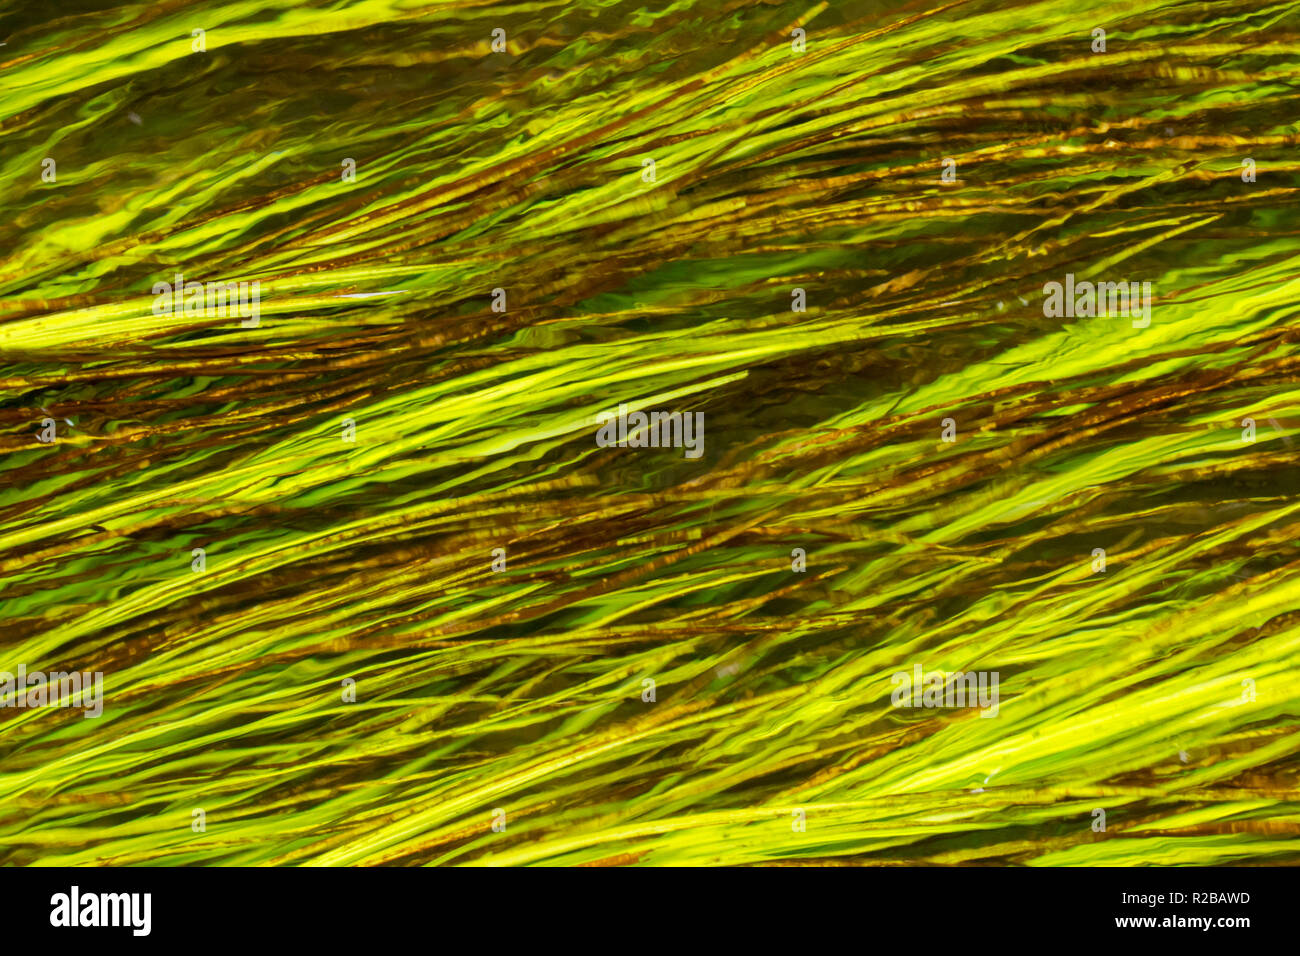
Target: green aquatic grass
x,y
521,690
